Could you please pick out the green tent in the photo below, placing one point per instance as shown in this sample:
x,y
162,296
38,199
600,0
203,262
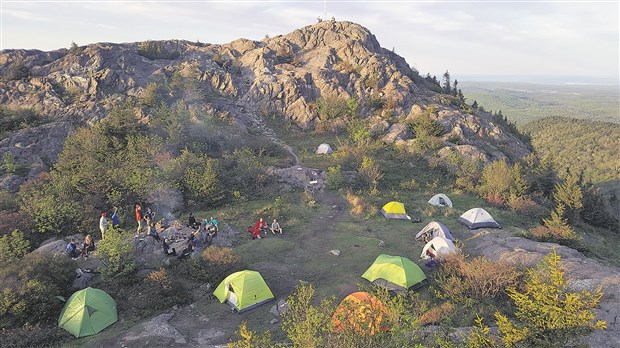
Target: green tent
x,y
243,290
395,273
87,312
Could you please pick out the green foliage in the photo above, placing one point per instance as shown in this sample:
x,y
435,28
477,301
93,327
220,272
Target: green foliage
x,y
305,324
152,95
369,172
75,49
18,71
11,166
197,177
582,146
155,50
34,336
480,336
329,108
13,246
556,228
547,313
116,253
569,194
29,286
335,177
593,211
247,338
16,119
359,132
502,181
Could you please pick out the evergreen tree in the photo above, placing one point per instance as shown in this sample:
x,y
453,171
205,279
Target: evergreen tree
x,y
447,87
474,104
547,313
569,194
455,88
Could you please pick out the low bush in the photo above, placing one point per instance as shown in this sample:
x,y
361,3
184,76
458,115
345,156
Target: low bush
x,y
34,336
116,252
335,178
461,280
212,267
13,246
30,286
154,50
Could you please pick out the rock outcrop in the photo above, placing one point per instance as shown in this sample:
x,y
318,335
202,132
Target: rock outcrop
x,y
337,62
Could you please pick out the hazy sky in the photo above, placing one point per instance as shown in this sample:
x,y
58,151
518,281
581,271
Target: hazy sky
x,y
466,37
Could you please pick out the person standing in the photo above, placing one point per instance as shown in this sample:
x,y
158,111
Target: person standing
x,y
139,218
116,222
103,224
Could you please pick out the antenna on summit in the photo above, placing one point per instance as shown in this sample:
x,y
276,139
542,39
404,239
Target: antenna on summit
x,y
324,8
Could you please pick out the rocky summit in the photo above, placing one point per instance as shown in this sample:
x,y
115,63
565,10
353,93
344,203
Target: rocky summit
x,y
284,75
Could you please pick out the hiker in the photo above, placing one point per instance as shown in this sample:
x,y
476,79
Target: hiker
x,y
116,222
275,227
153,232
191,222
212,224
259,226
103,224
88,245
139,219
72,250
168,251
149,217
211,232
190,247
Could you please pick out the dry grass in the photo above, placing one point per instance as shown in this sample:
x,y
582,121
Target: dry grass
x,y
359,206
221,255
436,314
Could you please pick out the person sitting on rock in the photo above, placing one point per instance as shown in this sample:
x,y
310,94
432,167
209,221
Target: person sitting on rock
x,y
191,221
212,224
190,247
72,250
259,226
153,232
275,227
88,246
168,251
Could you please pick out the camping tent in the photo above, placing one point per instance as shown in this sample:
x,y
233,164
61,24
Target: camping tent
x,y
478,218
395,273
395,210
243,290
432,230
87,312
438,246
361,312
440,200
324,149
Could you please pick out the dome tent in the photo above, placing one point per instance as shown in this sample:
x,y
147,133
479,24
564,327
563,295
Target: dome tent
x,y
432,230
395,210
394,273
324,149
87,312
243,290
440,200
438,246
478,218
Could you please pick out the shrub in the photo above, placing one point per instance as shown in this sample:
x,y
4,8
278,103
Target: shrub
x,y
370,173
154,50
556,228
251,339
220,255
162,292
54,215
13,246
460,279
437,314
12,166
116,253
29,287
34,336
335,178
307,325
359,206
18,71
359,132
547,313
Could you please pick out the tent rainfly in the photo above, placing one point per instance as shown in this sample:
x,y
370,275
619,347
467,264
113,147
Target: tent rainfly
x,y
478,218
440,200
87,312
437,247
432,230
395,210
361,312
324,149
243,290
395,273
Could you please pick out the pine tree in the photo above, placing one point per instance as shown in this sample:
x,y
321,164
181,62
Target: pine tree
x,y
570,194
447,87
474,104
547,313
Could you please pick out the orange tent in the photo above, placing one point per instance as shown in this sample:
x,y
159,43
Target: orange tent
x,y
361,312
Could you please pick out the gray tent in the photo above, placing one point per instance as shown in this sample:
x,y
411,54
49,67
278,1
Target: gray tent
x,y
324,149
432,230
478,218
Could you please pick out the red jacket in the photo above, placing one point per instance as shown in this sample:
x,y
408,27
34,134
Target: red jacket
x,y
138,214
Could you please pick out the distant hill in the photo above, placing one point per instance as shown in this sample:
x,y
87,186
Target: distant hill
x,y
590,146
524,102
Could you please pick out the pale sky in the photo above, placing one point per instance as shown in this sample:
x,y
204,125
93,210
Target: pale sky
x,y
518,37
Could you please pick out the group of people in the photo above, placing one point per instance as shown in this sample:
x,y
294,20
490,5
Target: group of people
x,y
74,252
103,222
260,226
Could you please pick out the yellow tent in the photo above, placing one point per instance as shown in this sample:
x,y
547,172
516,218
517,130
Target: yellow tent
x,y
395,210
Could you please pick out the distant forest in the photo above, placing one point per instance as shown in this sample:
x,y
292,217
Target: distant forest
x,y
526,102
589,146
